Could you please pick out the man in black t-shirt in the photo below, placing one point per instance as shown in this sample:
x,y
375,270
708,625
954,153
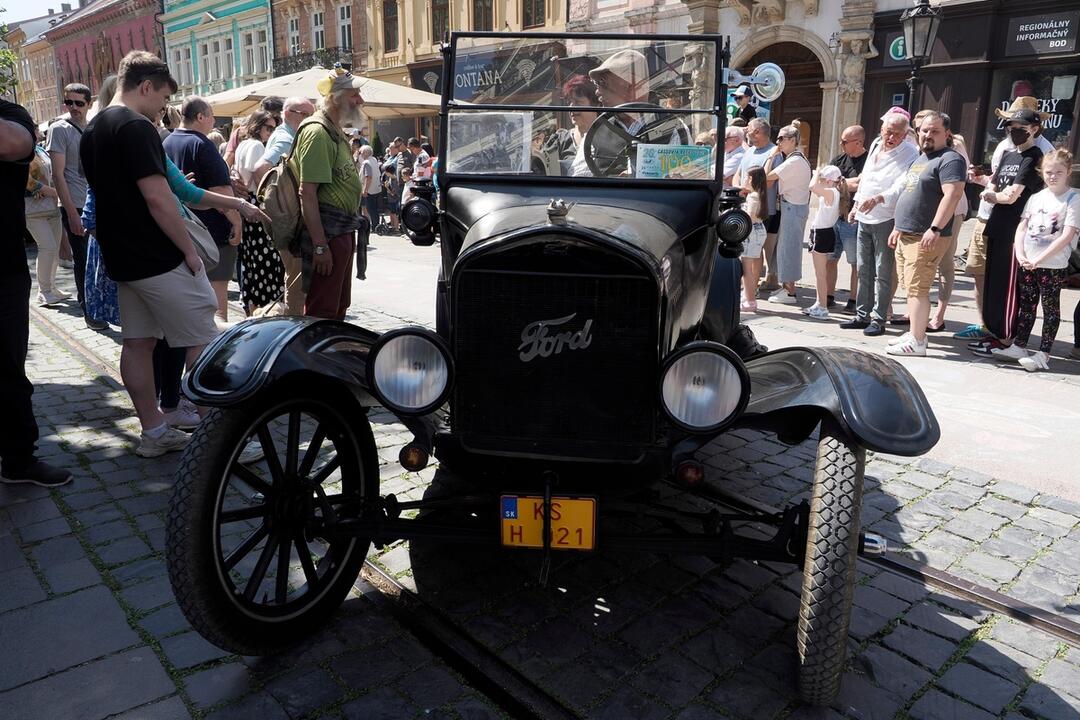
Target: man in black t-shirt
x,y
17,443
850,162
161,282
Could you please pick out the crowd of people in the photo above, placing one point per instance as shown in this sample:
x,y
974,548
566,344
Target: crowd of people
x,y
894,208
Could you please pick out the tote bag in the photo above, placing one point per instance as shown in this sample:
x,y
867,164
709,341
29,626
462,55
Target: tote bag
x,y
201,238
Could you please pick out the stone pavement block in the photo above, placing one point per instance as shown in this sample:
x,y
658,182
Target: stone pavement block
x,y
45,530
165,621
936,705
744,695
626,703
1019,493
11,556
74,575
19,588
715,650
892,672
138,571
1044,702
95,690
865,624
1055,503
84,500
1057,583
879,602
971,477
997,569
431,686
359,670
1008,662
148,595
899,586
1034,642
923,480
31,511
928,650
1005,508
106,512
217,685
123,551
753,626
901,491
57,550
305,690
1063,676
979,687
1053,517
152,502
380,704
168,709
190,649
107,532
699,712
673,679
261,705
61,633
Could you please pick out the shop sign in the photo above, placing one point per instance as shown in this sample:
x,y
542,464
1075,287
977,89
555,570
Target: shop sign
x,y
427,77
491,75
1058,113
1041,34
895,54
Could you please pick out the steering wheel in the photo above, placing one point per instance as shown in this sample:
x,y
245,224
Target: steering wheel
x,y
617,144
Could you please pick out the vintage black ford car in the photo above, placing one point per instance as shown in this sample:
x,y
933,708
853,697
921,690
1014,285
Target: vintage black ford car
x,y
587,344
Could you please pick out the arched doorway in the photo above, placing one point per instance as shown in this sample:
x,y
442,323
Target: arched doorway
x,y
802,95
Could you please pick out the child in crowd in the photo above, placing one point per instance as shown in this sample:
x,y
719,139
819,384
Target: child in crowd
x,y
406,185
825,184
1045,239
751,258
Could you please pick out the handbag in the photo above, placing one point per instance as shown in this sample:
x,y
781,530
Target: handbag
x,y
201,238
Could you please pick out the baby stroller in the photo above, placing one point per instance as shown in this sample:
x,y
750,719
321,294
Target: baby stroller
x,y
388,199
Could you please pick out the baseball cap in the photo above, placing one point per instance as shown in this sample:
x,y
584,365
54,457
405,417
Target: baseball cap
x,y
896,110
629,65
830,172
1023,116
339,79
742,91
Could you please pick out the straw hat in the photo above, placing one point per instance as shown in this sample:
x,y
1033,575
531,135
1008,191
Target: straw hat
x,y
1024,102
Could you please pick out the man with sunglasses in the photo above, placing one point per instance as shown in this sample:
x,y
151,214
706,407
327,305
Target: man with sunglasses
x,y
62,144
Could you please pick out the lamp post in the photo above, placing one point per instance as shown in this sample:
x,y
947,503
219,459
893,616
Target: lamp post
x,y
920,25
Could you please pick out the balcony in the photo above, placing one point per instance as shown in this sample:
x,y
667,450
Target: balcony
x,y
326,57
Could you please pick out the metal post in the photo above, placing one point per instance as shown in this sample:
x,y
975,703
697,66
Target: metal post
x,y
913,83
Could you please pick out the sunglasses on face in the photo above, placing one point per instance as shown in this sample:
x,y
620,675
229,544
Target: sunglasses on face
x,y
76,103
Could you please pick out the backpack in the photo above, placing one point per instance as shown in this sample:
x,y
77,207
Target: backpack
x,y
278,195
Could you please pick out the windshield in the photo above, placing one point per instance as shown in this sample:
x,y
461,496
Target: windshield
x,y
583,107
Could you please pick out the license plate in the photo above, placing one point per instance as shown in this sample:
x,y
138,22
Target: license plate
x,y
573,522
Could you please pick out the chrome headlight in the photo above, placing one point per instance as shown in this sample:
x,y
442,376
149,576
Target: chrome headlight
x,y
410,371
704,386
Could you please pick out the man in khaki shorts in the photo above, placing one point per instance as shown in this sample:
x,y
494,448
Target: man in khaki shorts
x,y
163,288
926,198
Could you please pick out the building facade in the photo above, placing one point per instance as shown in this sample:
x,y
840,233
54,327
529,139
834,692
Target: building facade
x,y
308,33
215,45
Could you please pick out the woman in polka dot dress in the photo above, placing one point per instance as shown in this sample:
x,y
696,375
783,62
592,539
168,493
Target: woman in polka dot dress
x,y
262,276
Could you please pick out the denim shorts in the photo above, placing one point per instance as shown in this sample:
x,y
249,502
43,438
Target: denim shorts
x,y
846,240
755,243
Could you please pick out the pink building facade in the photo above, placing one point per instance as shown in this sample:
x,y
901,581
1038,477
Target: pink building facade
x,y
90,43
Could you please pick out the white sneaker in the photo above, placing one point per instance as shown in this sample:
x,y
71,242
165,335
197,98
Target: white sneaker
x,y
171,440
66,264
900,339
806,311
816,312
182,417
52,297
910,347
1036,361
1012,353
781,296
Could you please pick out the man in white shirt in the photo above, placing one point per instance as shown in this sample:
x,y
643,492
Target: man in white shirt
x,y
734,150
889,159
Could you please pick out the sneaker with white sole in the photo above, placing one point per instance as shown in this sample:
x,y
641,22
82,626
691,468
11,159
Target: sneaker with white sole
x,y
782,297
51,297
1036,361
1012,353
817,313
183,418
910,347
169,441
806,310
900,339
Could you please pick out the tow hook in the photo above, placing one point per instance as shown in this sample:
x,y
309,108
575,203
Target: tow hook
x,y
872,544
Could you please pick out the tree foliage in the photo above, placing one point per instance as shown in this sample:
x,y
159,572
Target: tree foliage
x,y
9,62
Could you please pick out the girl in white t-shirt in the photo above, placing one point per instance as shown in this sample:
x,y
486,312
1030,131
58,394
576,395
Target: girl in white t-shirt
x,y
757,208
825,184
1045,239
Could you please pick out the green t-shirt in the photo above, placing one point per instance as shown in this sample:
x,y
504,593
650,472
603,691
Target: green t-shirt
x,y
327,161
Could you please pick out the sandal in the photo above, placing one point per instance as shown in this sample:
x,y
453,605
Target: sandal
x,y
901,321
930,327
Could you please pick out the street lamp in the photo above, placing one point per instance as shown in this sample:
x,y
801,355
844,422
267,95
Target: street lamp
x,y
920,25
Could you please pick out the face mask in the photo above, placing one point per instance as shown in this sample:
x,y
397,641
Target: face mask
x,y
1019,136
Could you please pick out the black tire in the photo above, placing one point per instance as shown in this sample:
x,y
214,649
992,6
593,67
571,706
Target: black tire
x,y
832,545
216,501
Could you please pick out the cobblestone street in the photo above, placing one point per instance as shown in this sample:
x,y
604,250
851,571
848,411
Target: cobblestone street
x,y
91,629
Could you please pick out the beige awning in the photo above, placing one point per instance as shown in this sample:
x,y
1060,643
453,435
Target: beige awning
x,y
381,99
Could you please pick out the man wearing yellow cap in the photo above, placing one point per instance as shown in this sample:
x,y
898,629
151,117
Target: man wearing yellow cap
x,y
329,195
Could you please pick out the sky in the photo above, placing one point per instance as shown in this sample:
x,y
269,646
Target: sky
x,y
25,9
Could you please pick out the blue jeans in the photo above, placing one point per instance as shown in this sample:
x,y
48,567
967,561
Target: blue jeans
x,y
846,241
875,267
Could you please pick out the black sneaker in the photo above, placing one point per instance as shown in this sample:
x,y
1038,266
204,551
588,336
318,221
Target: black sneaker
x,y
38,473
95,324
874,329
849,307
856,324
830,301
986,348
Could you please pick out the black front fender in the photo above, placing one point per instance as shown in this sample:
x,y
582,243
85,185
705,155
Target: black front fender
x,y
875,399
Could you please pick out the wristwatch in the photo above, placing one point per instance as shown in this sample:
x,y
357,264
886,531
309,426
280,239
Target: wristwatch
x,y
321,249
935,229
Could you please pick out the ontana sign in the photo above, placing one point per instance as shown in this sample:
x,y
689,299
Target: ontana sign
x,y
1039,34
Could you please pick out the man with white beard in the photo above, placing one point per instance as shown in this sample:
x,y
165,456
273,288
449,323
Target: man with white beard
x,y
330,193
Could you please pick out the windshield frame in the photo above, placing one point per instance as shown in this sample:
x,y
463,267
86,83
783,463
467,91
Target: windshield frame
x,y
449,50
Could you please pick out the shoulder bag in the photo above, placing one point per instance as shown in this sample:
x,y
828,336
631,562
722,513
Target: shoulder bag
x,y
201,238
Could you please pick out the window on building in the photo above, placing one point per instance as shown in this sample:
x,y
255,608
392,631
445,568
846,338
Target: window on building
x,y
440,19
228,64
390,25
532,13
186,71
294,36
204,62
345,26
483,15
177,67
262,51
318,31
215,59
